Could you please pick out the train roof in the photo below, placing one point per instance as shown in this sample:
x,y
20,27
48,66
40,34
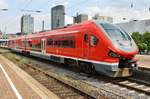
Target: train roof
x,y
66,30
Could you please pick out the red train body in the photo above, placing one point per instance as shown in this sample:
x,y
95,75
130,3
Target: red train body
x,y
93,45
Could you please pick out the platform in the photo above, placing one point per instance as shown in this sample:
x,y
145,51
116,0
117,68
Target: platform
x,y
143,61
17,84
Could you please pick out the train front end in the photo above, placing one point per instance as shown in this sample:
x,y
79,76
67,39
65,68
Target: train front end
x,y
122,49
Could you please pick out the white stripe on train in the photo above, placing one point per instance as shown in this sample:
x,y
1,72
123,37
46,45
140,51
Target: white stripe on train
x,y
87,60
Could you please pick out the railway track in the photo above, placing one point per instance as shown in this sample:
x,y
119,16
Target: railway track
x,y
140,81
130,83
51,81
60,88
63,91
135,85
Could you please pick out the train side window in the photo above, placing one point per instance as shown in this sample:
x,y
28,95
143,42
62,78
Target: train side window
x,y
72,43
50,42
86,38
93,40
29,44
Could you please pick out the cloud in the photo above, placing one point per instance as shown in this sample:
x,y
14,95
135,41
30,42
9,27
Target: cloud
x,y
60,2
47,18
11,24
118,9
117,13
3,4
38,18
65,3
68,20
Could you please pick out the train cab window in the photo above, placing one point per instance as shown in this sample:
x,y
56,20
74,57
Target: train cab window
x,y
115,32
93,41
86,38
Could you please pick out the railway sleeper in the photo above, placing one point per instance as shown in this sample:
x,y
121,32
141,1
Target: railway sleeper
x,y
64,95
65,92
46,84
74,97
140,86
55,86
147,89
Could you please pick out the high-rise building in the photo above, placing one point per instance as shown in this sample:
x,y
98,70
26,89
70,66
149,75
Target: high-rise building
x,y
80,18
57,16
103,18
27,24
1,34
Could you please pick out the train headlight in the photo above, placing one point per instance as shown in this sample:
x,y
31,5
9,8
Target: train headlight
x,y
113,54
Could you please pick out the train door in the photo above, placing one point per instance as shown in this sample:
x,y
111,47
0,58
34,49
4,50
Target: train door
x,y
43,46
93,46
86,46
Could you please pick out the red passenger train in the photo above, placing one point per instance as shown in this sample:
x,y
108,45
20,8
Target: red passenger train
x,y
91,46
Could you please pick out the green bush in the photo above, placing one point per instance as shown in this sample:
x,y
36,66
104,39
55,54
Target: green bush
x,y
142,41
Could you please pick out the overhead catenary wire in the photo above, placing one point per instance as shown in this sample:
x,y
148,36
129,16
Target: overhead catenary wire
x,y
27,4
13,18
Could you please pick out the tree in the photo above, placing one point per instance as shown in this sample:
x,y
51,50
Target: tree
x,y
142,47
143,41
146,40
137,37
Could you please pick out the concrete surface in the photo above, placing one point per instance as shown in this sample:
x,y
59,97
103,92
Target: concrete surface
x,y
16,84
143,60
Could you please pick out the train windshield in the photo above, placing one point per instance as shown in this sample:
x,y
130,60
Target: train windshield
x,y
115,32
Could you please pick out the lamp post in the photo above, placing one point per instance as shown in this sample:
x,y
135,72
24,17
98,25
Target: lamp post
x,y
3,9
36,11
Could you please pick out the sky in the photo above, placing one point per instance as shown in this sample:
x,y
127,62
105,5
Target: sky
x,y
118,9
